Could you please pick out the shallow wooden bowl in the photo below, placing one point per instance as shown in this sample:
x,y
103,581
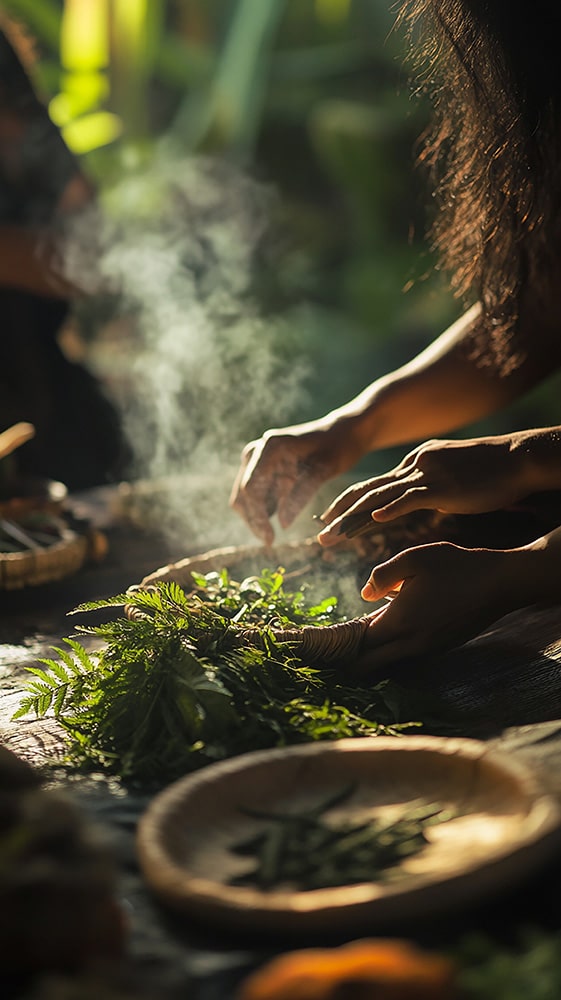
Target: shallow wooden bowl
x,y
503,827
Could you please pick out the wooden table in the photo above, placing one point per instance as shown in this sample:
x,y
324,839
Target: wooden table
x,y
503,687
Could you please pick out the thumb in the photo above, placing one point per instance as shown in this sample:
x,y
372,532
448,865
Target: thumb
x,y
386,578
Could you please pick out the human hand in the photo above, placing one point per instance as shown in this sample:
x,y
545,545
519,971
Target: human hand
x,y
441,596
454,477
281,471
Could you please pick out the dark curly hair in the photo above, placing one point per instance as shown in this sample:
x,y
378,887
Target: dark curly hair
x,y
493,72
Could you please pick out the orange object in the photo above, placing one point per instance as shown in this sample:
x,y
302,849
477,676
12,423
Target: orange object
x,y
363,970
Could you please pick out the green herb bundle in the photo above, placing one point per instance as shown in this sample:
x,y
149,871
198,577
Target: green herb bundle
x,y
171,688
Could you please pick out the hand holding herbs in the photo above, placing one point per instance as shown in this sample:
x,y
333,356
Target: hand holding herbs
x,y
172,688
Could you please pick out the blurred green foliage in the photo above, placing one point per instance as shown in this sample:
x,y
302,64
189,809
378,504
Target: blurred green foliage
x,y
308,97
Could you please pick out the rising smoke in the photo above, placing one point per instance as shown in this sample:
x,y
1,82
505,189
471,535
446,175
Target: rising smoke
x,y
180,246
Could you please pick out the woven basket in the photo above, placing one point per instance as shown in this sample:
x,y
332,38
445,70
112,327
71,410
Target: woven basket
x,y
32,568
351,561
312,643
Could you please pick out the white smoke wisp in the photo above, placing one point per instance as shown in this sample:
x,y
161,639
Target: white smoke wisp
x,y
179,246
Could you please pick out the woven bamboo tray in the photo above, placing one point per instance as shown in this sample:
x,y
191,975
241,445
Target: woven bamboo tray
x,y
302,560
340,571
351,562
38,566
72,546
292,556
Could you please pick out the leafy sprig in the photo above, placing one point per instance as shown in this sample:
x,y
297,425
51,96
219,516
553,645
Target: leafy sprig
x,y
527,969
170,687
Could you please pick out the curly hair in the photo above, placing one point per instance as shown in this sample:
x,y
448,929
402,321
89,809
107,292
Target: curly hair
x,y
493,73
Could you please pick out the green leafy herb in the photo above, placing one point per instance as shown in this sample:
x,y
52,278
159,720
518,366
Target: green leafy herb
x,y
527,970
260,600
307,851
172,688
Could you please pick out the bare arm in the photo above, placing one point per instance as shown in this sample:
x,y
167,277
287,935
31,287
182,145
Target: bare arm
x,y
443,388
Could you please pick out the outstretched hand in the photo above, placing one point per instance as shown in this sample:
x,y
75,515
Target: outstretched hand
x,y
281,471
454,477
441,595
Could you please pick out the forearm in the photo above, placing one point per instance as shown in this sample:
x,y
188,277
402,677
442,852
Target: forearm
x,y
440,390
537,454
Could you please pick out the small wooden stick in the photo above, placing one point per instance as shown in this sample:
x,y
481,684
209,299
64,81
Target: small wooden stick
x,y
14,437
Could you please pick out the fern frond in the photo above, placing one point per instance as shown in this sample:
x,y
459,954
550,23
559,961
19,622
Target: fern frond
x,y
26,706
65,660
81,656
119,601
60,699
48,679
60,672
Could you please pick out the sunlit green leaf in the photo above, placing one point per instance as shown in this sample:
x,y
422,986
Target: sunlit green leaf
x,y
92,131
81,92
84,35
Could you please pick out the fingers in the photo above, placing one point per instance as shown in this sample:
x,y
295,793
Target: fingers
x,y
251,495
447,595
273,479
431,477
240,481
15,436
297,495
391,636
385,643
386,626
383,498
354,501
415,498
337,532
358,495
346,502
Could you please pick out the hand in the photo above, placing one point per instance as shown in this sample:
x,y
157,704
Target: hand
x,y
444,595
281,471
454,477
